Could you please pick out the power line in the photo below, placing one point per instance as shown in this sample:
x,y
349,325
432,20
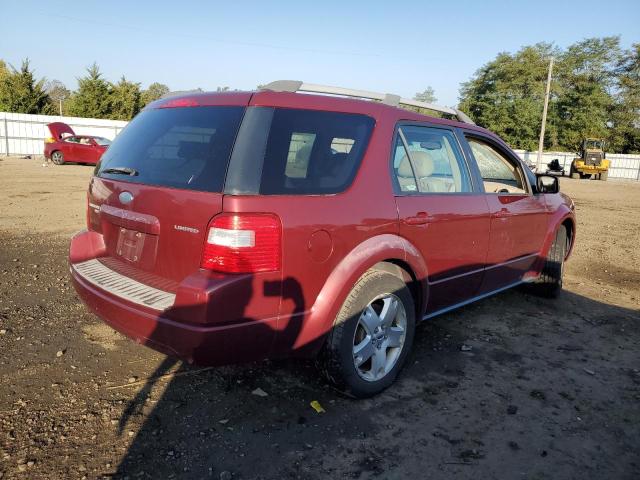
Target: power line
x,y
221,41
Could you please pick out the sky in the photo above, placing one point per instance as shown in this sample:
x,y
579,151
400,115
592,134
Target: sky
x,y
387,46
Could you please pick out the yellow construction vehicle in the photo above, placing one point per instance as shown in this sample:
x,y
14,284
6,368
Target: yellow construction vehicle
x,y
591,161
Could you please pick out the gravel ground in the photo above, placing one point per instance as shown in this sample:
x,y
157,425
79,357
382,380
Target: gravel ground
x,y
548,389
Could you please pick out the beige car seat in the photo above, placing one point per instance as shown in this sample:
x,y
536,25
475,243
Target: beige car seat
x,y
423,166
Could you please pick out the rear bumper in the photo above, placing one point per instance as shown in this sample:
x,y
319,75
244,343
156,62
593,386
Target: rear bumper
x,y
218,345
211,343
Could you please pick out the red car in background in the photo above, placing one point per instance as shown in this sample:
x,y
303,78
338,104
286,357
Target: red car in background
x,y
65,146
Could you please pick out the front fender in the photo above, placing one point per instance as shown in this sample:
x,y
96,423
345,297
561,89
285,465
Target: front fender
x,y
342,279
562,212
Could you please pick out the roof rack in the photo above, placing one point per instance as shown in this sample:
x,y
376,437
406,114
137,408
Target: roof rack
x,y
386,98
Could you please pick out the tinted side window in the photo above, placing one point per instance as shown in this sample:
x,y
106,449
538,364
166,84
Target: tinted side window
x,y
403,170
313,152
434,163
499,174
185,147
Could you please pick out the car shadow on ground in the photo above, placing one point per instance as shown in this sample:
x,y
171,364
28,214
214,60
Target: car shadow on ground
x,y
502,405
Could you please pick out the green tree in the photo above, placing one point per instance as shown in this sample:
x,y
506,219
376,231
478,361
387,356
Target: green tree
x,y
626,112
20,92
586,76
507,94
59,94
4,70
4,73
124,100
154,92
427,96
92,97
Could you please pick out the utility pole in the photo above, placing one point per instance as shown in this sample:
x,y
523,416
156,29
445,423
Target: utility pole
x,y
544,118
60,107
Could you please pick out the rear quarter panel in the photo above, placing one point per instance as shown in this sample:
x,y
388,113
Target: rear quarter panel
x,y
319,232
48,148
354,230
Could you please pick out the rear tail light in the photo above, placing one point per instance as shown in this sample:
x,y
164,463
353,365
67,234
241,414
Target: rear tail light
x,y
243,243
179,102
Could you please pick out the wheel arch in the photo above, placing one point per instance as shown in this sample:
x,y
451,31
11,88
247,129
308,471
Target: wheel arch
x,y
388,252
569,225
558,219
403,270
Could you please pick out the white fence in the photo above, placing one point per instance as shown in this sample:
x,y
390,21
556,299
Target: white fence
x,y
625,166
23,134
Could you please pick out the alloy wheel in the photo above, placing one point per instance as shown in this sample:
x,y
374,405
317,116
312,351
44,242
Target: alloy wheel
x,y
379,337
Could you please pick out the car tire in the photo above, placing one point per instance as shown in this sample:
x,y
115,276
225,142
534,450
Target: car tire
x,y
573,174
604,176
57,157
371,337
549,283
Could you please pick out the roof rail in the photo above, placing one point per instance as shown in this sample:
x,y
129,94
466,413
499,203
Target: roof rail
x,y
386,98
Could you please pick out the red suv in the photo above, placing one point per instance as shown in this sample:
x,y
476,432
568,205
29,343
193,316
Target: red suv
x,y
226,227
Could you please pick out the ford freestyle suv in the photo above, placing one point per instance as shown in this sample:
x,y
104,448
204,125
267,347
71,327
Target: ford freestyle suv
x,y
227,227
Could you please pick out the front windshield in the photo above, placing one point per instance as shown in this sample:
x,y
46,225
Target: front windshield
x,y
593,145
102,141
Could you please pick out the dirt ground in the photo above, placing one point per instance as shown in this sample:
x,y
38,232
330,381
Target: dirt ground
x,y
550,388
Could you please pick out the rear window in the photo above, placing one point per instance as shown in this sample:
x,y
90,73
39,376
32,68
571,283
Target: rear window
x,y
187,148
313,152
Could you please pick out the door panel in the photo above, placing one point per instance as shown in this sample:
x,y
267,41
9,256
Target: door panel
x,y
440,213
518,225
68,151
84,153
453,239
518,217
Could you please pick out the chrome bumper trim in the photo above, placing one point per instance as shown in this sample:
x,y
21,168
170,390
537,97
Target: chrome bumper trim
x,y
117,284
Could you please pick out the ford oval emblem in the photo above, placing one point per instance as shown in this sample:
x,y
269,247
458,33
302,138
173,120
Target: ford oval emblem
x,y
125,198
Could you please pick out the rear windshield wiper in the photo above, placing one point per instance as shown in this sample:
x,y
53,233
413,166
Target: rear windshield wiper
x,y
121,171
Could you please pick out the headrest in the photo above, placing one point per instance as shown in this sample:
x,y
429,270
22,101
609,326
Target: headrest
x,y
302,155
422,162
192,150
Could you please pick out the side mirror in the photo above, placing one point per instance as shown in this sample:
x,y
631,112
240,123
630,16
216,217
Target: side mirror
x,y
547,184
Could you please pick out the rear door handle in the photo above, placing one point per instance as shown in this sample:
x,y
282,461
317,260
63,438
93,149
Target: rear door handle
x,y
421,218
502,213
